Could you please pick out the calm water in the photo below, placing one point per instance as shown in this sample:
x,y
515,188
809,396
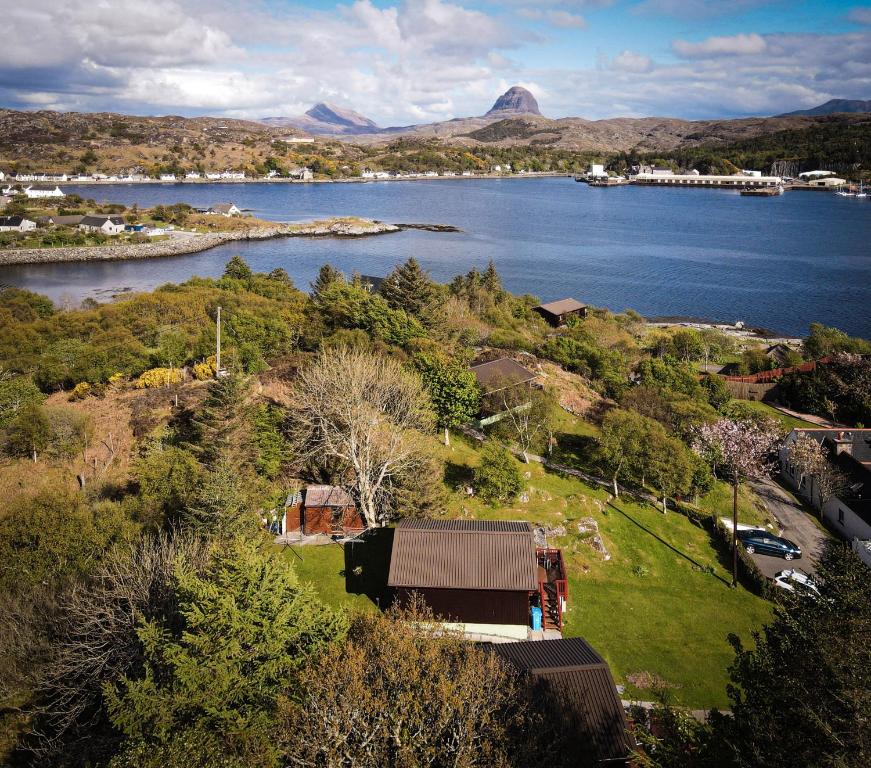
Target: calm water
x,y
774,262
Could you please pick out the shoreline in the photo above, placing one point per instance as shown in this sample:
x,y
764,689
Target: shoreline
x,y
183,243
348,180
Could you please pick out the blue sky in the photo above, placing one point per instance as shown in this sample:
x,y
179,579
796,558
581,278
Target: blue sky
x,y
408,61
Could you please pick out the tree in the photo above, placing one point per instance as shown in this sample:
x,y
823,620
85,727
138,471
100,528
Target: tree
x,y
211,682
528,417
94,642
30,432
621,444
237,269
168,478
717,391
15,393
327,275
364,412
806,456
453,390
221,507
667,464
830,482
802,694
408,288
400,691
740,451
497,478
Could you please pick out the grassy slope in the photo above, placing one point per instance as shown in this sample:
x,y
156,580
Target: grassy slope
x,y
671,621
789,422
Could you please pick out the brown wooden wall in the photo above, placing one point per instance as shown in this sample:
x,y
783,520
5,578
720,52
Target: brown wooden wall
x,y
475,606
320,519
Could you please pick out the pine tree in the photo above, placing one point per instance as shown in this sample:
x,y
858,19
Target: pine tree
x,y
238,269
408,287
327,275
491,280
218,419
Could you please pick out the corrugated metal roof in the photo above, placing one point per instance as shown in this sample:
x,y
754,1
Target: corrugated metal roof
x,y
577,682
501,373
463,554
547,655
562,306
327,496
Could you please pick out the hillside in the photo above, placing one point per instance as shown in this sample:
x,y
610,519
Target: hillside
x,y
108,142
833,106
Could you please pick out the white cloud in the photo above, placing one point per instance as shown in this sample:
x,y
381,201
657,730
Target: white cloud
x,y
696,8
630,61
556,18
734,45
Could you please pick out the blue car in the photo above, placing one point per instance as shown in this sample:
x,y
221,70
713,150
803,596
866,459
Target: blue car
x,y
766,543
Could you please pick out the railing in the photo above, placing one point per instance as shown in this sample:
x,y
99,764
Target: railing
x,y
551,560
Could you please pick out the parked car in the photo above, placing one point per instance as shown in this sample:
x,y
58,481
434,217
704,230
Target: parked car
x,y
793,580
768,544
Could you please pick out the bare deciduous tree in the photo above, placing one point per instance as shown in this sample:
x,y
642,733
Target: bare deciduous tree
x,y
366,412
92,638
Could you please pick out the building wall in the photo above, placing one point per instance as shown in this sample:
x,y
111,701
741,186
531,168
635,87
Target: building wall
x,y
842,519
320,519
473,606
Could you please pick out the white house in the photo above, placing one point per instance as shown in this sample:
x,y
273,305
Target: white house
x,y
2,176
233,175
43,190
213,176
167,177
16,224
108,225
849,511
597,170
225,209
192,175
302,174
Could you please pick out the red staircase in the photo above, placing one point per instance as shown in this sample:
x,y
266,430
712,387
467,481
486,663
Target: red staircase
x,y
553,587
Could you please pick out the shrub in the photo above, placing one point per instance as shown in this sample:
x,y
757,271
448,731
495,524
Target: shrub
x,y
159,377
497,479
80,391
206,369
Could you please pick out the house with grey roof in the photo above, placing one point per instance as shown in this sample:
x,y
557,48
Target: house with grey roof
x,y
16,224
108,225
557,313
847,512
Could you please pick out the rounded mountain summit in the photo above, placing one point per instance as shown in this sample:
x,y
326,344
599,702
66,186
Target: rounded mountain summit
x,y
515,101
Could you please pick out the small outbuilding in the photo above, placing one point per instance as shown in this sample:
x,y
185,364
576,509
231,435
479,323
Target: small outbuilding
x,y
496,375
572,684
557,313
326,509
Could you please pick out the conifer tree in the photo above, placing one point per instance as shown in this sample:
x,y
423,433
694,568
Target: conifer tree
x,y
237,269
327,275
218,419
408,287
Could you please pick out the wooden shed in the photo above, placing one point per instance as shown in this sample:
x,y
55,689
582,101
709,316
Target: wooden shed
x,y
573,684
557,313
326,509
483,574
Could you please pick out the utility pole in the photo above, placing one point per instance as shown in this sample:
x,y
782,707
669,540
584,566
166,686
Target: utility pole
x,y
218,347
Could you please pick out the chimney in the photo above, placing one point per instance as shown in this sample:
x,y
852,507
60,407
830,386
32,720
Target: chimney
x,y
844,443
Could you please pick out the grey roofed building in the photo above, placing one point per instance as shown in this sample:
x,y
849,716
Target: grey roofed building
x,y
327,496
99,220
464,555
70,220
500,374
557,312
573,683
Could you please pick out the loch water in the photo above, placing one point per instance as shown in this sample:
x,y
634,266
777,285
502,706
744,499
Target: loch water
x,y
774,262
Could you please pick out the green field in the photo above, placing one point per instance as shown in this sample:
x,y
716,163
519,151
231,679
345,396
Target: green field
x,y
789,422
661,605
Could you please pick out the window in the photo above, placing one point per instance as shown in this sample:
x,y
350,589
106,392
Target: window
x,y
840,516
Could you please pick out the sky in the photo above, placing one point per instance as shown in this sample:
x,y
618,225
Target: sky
x,y
415,61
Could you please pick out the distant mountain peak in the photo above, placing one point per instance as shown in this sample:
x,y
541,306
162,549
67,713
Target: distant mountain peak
x,y
831,107
339,116
515,101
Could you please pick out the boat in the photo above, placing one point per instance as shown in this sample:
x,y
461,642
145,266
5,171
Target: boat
x,y
762,191
861,192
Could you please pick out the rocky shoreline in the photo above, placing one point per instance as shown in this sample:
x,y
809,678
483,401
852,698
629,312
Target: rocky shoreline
x,y
180,244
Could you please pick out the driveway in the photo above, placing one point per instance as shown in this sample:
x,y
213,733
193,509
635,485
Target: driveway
x,y
797,526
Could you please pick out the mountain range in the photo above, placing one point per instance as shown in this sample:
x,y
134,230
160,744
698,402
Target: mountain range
x,y
515,119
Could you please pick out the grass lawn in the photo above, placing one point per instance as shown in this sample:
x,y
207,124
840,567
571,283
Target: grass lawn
x,y
660,606
789,422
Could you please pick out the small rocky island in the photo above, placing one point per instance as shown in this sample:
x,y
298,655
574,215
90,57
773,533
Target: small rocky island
x,y
181,242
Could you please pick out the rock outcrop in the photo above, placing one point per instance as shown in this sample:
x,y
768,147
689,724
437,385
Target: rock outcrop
x,y
515,101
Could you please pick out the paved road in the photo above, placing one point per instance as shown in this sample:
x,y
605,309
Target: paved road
x,y
797,526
